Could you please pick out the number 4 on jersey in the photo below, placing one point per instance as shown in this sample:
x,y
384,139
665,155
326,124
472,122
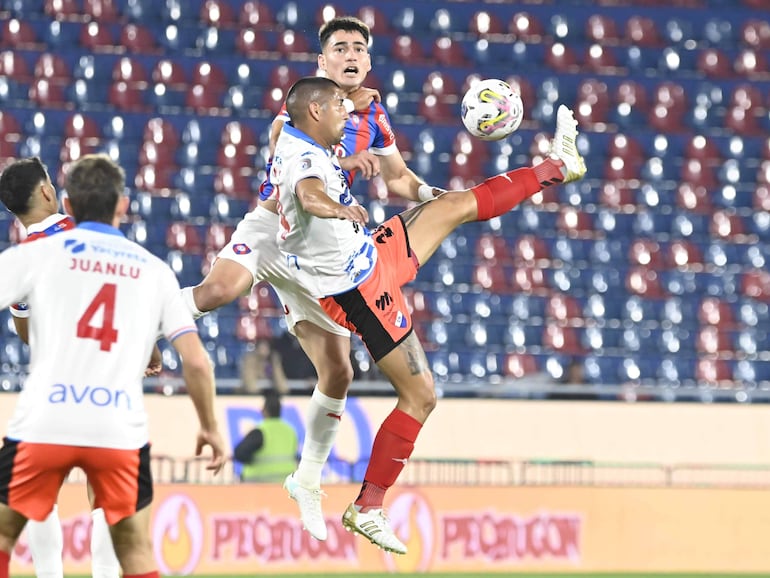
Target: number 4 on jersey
x,y
106,334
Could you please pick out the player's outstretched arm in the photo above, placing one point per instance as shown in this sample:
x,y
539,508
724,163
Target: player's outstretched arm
x,y
402,181
198,375
313,198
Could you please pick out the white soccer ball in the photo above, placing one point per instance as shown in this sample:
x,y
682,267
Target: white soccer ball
x,y
491,109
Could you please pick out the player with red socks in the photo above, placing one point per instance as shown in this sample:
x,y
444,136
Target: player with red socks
x,y
357,274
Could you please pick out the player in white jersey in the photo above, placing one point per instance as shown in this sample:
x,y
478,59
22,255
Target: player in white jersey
x,y
27,191
358,274
252,255
99,301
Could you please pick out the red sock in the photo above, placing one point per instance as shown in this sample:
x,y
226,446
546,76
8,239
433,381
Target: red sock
x,y
393,445
153,574
5,563
498,195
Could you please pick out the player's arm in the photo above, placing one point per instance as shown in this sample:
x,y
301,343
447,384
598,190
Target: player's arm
x,y
311,194
275,131
402,181
198,375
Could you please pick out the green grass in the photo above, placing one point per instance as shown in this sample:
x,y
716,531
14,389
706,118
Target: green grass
x,y
492,574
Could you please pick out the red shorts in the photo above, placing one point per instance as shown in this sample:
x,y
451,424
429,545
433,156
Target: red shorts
x,y
376,310
32,474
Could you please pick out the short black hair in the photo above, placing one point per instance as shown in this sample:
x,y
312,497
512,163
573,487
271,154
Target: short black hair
x,y
346,23
18,181
306,90
94,185
272,404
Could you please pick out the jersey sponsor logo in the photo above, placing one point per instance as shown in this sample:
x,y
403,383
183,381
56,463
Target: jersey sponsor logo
x,y
73,246
383,301
241,249
105,268
96,396
382,120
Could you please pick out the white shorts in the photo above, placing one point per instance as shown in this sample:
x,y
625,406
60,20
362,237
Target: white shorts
x,y
255,247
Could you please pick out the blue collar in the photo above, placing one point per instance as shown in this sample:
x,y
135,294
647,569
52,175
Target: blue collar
x,y
100,228
296,133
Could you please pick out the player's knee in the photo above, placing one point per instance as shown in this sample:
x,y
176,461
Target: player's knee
x,y
210,294
337,373
423,398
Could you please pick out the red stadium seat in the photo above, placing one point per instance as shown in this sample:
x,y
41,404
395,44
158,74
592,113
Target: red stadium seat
x,y
562,307
217,236
529,249
755,33
252,43
217,13
617,195
375,19
646,253
262,301
204,99
13,65
714,372
105,11
256,14
208,74
19,35
484,23
562,339
161,131
726,225
436,110
686,254
645,282
54,68
703,149
714,63
714,341
561,57
125,97
171,73
698,172
695,198
491,276
97,38
184,237
714,311
131,71
233,183
526,27
292,43
440,84
154,179
575,223
743,121
449,53
643,31
601,28
74,148
138,39
62,9
600,60
756,285
750,63
273,100
284,76
82,127
519,365
233,156
491,247
45,92
157,154
529,279
405,49
240,134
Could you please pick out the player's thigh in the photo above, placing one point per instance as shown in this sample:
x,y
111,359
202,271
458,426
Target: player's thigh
x,y
121,480
31,476
11,525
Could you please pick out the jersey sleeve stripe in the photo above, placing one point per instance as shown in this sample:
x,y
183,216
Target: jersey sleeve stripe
x,y
182,331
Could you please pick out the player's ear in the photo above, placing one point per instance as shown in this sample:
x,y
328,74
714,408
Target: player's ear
x,y
121,209
322,62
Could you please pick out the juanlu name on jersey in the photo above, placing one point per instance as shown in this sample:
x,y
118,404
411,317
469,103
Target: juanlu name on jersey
x,y
105,268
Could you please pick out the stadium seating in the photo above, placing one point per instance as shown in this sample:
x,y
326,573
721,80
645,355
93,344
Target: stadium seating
x,y
660,252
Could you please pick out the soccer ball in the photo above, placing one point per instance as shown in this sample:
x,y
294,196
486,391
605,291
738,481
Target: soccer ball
x,y
491,109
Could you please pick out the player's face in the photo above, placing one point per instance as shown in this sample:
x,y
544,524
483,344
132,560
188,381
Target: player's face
x,y
335,115
345,59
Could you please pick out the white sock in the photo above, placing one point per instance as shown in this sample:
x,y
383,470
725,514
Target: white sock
x,y
319,437
46,543
189,299
104,562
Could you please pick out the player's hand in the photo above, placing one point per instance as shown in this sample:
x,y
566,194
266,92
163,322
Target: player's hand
x,y
354,213
362,97
156,363
366,163
214,440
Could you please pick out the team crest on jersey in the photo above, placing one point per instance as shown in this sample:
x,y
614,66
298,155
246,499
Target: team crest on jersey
x,y
400,320
241,249
305,164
